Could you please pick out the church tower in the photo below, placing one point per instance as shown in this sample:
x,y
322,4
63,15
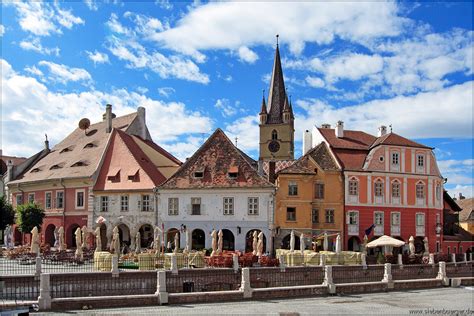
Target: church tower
x,y
277,121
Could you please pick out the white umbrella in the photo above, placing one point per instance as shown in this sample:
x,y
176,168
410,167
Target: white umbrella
x,y
325,242
411,244
214,243
176,242
62,245
220,243
100,220
84,237
302,245
260,244
156,239
364,244
187,232
35,241
255,243
138,241
78,252
385,241
338,243
98,240
427,249
292,241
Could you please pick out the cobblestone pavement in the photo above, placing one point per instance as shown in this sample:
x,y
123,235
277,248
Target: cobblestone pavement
x,y
440,301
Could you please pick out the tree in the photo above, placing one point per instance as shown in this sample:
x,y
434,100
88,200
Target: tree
x,y
7,214
29,216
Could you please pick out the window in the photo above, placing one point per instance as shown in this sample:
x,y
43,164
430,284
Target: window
x,y
420,219
198,174
104,203
60,199
353,218
124,203
395,159
420,191
353,187
228,206
449,250
146,203
291,213
438,218
80,199
395,219
233,175
329,216
47,200
292,188
274,135
195,206
19,199
438,246
420,161
315,216
319,190
173,206
31,198
396,189
438,191
378,186
253,205
379,218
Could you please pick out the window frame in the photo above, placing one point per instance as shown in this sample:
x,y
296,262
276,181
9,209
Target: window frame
x,y
422,186
353,186
292,188
19,199
399,218
380,217
353,217
288,219
252,205
319,190
329,216
145,203
395,158
104,203
173,206
31,200
76,198
395,184
122,204
378,186
62,199
228,205
315,216
417,216
50,193
196,199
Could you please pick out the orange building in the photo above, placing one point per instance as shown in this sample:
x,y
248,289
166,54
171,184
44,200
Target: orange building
x,y
309,198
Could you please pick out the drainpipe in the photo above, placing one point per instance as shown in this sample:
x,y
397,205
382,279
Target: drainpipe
x,y
61,181
155,193
23,201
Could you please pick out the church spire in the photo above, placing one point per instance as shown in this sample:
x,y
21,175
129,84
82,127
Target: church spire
x,y
263,110
277,95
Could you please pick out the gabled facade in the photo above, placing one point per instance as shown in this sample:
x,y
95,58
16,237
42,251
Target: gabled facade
x,y
309,198
217,188
456,239
390,182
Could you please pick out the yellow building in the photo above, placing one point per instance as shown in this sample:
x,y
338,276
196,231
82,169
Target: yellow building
x,y
466,216
310,198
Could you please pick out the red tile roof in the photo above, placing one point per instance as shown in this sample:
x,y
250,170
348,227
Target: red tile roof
x,y
397,140
215,158
351,139
320,154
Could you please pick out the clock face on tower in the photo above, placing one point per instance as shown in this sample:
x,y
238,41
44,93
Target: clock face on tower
x,y
274,146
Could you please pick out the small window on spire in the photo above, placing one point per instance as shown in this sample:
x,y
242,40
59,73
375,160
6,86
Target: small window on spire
x,y
274,135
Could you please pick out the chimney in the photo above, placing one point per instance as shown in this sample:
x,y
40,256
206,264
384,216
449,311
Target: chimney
x,y
142,122
46,142
307,141
382,130
339,129
271,171
461,197
9,171
325,125
108,118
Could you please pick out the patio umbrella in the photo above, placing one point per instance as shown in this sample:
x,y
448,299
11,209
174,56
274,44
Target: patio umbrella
x,y
255,243
214,243
325,242
302,245
78,235
364,244
187,232
220,243
292,241
156,239
62,245
138,241
427,249
84,237
385,241
34,241
338,243
98,240
176,242
411,244
115,245
260,244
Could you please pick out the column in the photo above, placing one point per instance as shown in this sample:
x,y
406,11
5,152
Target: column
x,y
44,299
245,284
161,287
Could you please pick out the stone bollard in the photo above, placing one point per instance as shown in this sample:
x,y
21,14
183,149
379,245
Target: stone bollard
x,y
281,260
453,258
161,287
235,262
387,273
442,273
115,270
245,284
38,266
465,258
322,260
400,261
431,259
44,299
470,256
363,258
328,280
174,264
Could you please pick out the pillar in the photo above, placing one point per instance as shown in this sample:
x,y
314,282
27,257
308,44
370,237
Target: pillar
x,y
37,266
245,284
400,261
328,280
281,260
235,262
174,264
44,299
442,273
115,270
363,258
161,287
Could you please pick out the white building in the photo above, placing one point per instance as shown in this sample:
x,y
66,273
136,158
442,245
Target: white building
x,y
219,187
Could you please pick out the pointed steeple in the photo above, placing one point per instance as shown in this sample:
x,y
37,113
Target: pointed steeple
x,y
263,110
277,94
291,109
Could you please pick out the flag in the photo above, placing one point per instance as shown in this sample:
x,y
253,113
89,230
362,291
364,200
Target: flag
x,y
369,230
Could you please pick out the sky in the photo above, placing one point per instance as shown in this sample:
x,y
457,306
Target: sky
x,y
197,66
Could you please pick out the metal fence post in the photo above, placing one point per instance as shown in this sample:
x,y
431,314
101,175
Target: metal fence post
x,y
363,258
400,261
281,260
465,258
235,262
328,280
161,287
38,266
387,275
245,284
115,270
44,299
442,273
453,258
174,264
322,260
431,259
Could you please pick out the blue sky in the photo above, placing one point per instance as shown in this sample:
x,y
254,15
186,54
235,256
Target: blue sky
x,y
196,66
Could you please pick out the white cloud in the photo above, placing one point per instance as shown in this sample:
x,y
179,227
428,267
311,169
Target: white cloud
x,y
246,130
353,67
44,19
466,190
247,55
166,91
315,82
62,111
231,25
34,71
164,4
227,109
34,44
458,172
98,57
2,30
92,5
64,74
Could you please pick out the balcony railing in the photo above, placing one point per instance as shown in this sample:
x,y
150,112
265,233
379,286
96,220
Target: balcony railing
x,y
353,230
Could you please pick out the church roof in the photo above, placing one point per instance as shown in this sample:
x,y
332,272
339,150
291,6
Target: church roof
x,y
397,140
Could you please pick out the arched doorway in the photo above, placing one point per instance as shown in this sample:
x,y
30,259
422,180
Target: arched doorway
x,y
49,235
249,240
70,236
170,237
124,235
103,236
228,240
198,241
285,243
419,245
146,235
354,244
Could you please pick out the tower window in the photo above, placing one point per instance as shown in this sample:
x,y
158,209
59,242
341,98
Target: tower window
x,y
274,135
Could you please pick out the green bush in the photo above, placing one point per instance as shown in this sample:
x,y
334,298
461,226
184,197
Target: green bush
x,y
7,214
28,216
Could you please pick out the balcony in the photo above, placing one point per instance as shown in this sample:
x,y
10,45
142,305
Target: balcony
x,y
395,230
378,230
353,230
420,231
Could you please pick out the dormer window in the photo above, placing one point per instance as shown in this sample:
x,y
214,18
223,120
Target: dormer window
x,y
35,170
67,149
114,175
90,145
198,174
79,164
57,166
134,176
233,172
